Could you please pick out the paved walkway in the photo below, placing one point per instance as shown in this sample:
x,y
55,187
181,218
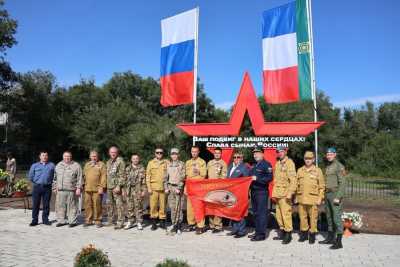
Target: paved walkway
x,y
21,245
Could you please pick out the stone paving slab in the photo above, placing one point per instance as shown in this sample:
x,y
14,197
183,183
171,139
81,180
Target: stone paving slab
x,y
21,245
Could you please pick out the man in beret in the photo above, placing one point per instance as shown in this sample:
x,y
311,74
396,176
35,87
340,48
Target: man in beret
x,y
335,185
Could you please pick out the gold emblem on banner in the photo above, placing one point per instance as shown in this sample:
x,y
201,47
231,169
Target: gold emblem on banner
x,y
303,47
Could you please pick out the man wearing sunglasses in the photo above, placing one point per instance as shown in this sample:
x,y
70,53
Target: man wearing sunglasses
x,y
155,174
238,169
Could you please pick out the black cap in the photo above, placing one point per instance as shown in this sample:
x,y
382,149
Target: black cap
x,y
258,149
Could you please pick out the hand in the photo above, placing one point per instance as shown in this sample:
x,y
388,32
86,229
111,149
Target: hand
x,y
336,201
124,194
196,171
78,192
319,201
149,191
185,191
117,190
253,177
289,197
166,191
142,194
100,191
177,191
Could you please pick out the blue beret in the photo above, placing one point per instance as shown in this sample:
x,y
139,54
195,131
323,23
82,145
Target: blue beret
x,y
331,150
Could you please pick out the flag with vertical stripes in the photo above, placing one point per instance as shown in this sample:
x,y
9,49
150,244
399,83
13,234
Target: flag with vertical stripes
x,y
286,53
178,53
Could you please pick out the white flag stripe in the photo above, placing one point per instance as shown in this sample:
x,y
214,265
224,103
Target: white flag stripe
x,y
179,28
280,52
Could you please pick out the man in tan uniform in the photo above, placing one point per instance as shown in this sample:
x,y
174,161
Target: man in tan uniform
x,y
216,169
115,183
173,183
155,174
95,181
284,188
195,169
310,193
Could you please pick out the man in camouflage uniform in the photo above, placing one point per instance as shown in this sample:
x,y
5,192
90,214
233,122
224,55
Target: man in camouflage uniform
x,y
155,175
283,190
195,169
216,169
134,192
309,195
67,185
115,183
173,184
335,186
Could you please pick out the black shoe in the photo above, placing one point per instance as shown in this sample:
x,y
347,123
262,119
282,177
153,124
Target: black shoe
x,y
162,224
338,242
239,235
190,228
280,235
251,235
60,224
200,231
71,225
287,238
329,239
153,225
33,224
311,238
231,233
303,236
258,238
47,223
215,231
87,225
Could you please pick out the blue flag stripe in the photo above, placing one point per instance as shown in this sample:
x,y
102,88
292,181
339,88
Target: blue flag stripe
x,y
177,58
279,21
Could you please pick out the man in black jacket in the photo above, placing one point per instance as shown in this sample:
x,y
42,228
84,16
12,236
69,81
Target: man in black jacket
x,y
261,173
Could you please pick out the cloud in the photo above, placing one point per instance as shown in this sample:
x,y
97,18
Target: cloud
x,y
225,105
379,99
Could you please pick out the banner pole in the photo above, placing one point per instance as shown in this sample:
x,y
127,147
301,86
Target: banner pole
x,y
312,70
195,68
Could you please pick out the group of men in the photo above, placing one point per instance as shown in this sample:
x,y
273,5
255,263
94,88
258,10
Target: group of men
x,y
309,188
163,181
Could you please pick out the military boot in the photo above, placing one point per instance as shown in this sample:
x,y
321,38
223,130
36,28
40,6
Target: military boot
x,y
280,235
329,239
153,224
303,236
311,238
338,242
287,238
162,224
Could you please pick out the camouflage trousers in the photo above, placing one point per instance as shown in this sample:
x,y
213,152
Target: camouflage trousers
x,y
173,201
333,214
134,205
66,207
115,202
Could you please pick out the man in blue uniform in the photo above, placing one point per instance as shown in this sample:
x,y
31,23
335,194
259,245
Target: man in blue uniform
x,y
261,173
41,175
235,170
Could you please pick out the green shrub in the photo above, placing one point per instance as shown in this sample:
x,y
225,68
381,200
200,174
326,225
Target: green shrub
x,y
173,263
91,257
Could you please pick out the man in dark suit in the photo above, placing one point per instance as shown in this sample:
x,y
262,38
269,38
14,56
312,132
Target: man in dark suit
x,y
261,173
235,170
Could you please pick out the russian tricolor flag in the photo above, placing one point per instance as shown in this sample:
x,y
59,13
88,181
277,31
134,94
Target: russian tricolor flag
x,y
178,58
286,53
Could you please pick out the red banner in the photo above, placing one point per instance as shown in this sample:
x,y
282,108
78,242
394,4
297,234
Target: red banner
x,y
221,197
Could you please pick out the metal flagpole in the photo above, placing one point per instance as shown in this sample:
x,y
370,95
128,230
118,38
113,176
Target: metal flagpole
x,y
195,68
312,70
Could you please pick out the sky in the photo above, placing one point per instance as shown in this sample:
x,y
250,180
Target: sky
x,y
356,43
